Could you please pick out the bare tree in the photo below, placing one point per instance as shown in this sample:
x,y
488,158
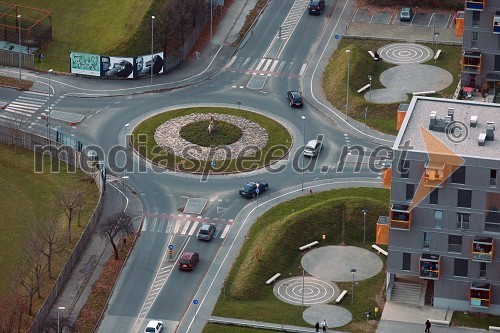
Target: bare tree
x,y
119,224
12,308
51,243
70,201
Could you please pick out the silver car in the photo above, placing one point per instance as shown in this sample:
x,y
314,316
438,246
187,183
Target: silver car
x,y
312,148
207,230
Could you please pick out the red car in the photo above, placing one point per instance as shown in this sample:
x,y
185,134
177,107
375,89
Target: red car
x,y
188,260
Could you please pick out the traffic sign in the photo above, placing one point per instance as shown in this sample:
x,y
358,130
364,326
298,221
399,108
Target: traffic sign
x,y
195,301
41,56
214,164
171,247
337,36
257,190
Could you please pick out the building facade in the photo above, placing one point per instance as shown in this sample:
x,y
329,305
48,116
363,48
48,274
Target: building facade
x,y
481,46
444,223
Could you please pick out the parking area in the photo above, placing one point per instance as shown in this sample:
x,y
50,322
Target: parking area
x,y
419,19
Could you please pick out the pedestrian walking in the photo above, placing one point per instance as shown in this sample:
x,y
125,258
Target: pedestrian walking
x,y
324,324
317,327
428,326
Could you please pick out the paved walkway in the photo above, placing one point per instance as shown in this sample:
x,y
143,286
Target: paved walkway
x,y
264,325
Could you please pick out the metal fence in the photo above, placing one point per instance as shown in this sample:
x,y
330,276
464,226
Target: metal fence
x,y
20,138
11,58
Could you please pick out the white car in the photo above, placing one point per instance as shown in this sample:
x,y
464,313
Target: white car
x,y
312,148
154,326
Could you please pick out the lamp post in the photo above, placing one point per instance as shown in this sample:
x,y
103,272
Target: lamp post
x,y
353,270
211,20
58,321
123,187
369,98
436,35
48,113
347,88
19,22
152,40
364,211
303,144
367,317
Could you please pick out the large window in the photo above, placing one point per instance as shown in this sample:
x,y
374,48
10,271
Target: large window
x,y
454,243
410,190
475,39
464,198
460,268
406,261
404,168
482,270
438,219
458,177
476,16
427,240
497,63
433,197
463,221
493,177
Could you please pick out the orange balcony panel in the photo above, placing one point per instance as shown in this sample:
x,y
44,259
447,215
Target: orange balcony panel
x,y
480,295
382,234
459,24
482,249
434,173
472,62
401,216
430,266
387,178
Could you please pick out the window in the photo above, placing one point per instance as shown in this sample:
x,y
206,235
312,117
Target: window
x,y
458,177
427,239
497,63
463,221
406,261
460,268
475,39
454,243
433,197
493,177
482,270
410,190
476,16
438,219
464,198
404,168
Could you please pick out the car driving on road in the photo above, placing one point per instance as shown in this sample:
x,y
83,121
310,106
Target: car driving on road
x,y
249,190
312,148
316,6
207,230
188,260
295,98
154,326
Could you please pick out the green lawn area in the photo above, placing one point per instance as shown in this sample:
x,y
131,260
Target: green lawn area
x,y
272,244
278,144
99,26
30,198
478,320
380,116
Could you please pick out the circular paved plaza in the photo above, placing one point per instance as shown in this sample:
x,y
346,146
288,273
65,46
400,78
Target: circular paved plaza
x,y
308,292
405,53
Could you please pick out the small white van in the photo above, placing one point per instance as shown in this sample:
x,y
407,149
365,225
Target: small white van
x,y
312,148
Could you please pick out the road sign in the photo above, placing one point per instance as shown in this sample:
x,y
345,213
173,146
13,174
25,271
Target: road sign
x,y
214,164
41,56
195,301
257,190
337,36
170,247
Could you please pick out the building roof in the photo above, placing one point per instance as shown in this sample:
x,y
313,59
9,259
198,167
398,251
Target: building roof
x,y
458,135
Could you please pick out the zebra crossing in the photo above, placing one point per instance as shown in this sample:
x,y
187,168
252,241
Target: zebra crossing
x,y
183,224
266,66
24,106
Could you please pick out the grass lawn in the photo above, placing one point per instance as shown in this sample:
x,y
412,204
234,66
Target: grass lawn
x,y
381,117
284,228
278,145
31,198
478,320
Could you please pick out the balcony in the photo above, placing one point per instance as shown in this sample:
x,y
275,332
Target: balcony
x,y
383,224
471,62
475,4
401,217
482,249
387,178
496,23
430,265
480,295
434,174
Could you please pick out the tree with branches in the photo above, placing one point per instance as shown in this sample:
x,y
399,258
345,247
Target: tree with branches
x,y
70,201
12,308
119,224
50,240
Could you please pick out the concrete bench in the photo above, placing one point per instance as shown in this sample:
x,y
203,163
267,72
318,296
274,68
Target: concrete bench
x,y
436,56
494,328
342,294
363,88
420,93
440,322
274,278
307,246
380,250
373,56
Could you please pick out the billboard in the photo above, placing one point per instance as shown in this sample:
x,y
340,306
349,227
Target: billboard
x,y
84,63
117,67
143,65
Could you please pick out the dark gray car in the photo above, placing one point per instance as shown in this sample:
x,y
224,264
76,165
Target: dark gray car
x,y
207,230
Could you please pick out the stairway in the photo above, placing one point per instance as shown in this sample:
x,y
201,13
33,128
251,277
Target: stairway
x,y
429,293
407,293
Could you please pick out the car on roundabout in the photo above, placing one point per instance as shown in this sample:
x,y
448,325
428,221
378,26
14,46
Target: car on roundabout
x,y
295,98
249,190
154,326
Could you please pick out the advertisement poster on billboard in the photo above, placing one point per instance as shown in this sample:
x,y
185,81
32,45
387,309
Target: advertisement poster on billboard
x,y
117,67
143,65
84,63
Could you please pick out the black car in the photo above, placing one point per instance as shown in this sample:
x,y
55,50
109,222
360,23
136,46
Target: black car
x,y
295,98
406,14
316,7
249,190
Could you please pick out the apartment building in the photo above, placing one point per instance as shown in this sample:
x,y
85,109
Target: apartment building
x,y
443,232
481,47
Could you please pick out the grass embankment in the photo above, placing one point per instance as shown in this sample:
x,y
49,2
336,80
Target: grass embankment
x,y
272,245
29,198
477,320
381,117
278,145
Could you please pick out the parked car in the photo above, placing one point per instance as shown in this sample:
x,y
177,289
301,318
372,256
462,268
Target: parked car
x,y
406,14
188,260
312,148
154,326
249,190
206,231
295,98
316,6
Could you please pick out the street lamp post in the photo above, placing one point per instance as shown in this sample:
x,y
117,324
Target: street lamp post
x,y
303,144
353,270
367,317
369,98
58,321
211,20
152,40
364,211
347,88
123,187
19,22
48,113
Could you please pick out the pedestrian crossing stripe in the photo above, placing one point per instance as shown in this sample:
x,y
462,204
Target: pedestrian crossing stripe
x,y
265,66
180,227
24,105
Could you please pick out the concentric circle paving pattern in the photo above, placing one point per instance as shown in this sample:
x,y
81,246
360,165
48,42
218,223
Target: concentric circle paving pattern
x,y
405,53
315,291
